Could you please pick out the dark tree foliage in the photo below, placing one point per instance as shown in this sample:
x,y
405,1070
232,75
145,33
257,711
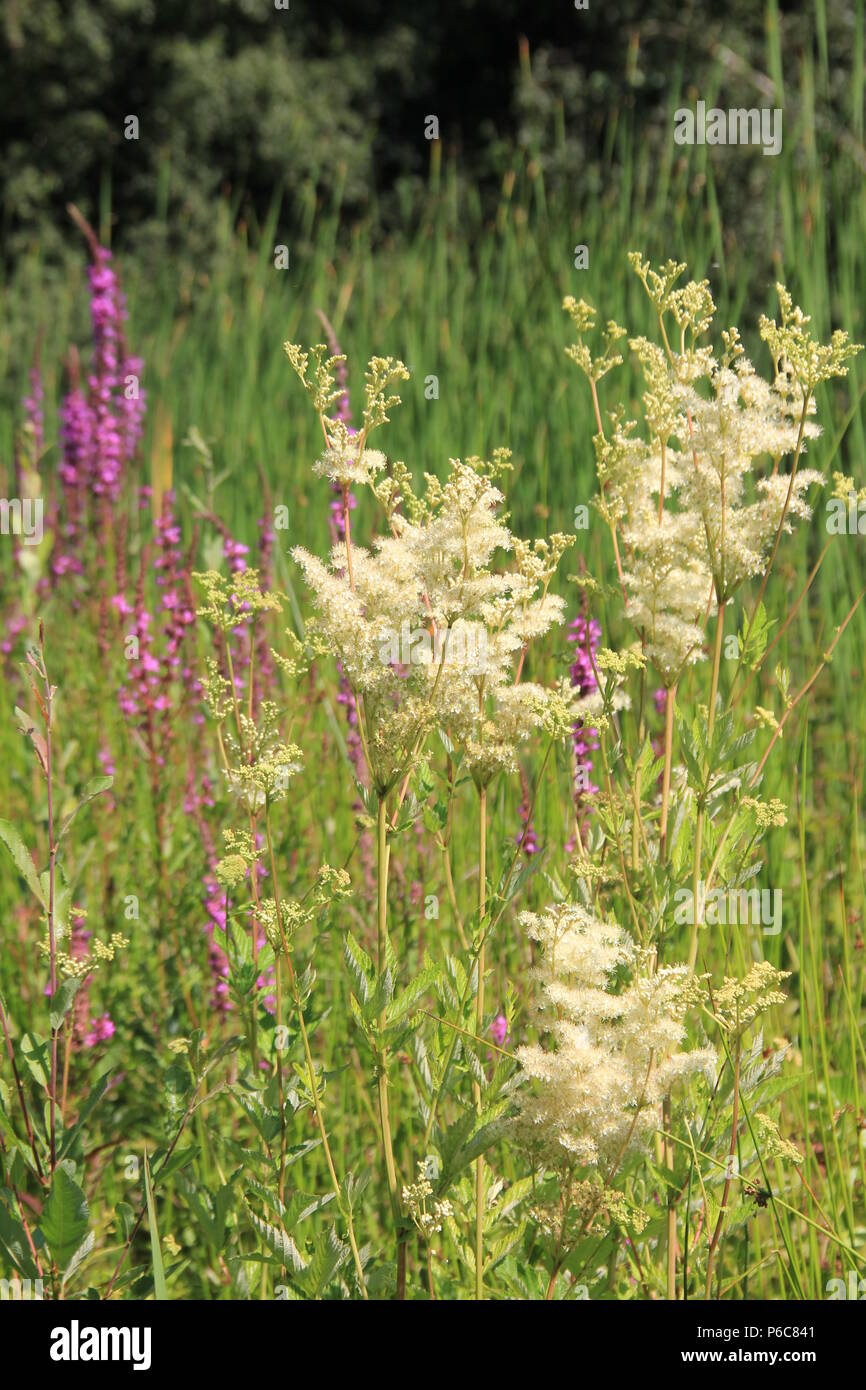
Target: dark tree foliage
x,y
242,98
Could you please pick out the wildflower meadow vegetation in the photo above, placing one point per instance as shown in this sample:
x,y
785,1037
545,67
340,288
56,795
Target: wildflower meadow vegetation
x,y
431,677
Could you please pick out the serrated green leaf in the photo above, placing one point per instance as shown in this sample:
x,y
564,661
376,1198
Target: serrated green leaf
x,y
360,967
282,1245
21,858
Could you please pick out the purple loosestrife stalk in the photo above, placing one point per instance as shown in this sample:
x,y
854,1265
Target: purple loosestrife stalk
x,y
76,445
115,397
160,686
33,409
177,610
100,427
526,838
159,692
585,633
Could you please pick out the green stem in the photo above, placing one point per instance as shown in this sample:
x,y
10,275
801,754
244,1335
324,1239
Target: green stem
x,y
717,1233
384,1109
672,1211
699,827
670,697
479,1029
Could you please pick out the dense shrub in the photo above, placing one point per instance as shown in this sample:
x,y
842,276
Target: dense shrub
x,y
245,98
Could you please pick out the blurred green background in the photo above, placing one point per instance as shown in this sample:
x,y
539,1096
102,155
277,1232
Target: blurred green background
x,y
304,128
240,99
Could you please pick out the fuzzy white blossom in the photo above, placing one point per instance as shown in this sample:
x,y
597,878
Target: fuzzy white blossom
x,y
616,1027
697,492
427,624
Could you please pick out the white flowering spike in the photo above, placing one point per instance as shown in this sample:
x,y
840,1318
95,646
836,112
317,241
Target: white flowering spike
x,y
698,490
617,1027
424,625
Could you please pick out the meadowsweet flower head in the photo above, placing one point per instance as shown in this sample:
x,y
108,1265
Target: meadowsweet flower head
x,y
76,963
229,602
767,813
583,317
281,923
365,621
658,284
315,369
344,464
383,373
845,488
697,488
737,1003
422,626
792,344
266,779
773,1144
617,1026
216,691
428,1217
331,885
231,871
